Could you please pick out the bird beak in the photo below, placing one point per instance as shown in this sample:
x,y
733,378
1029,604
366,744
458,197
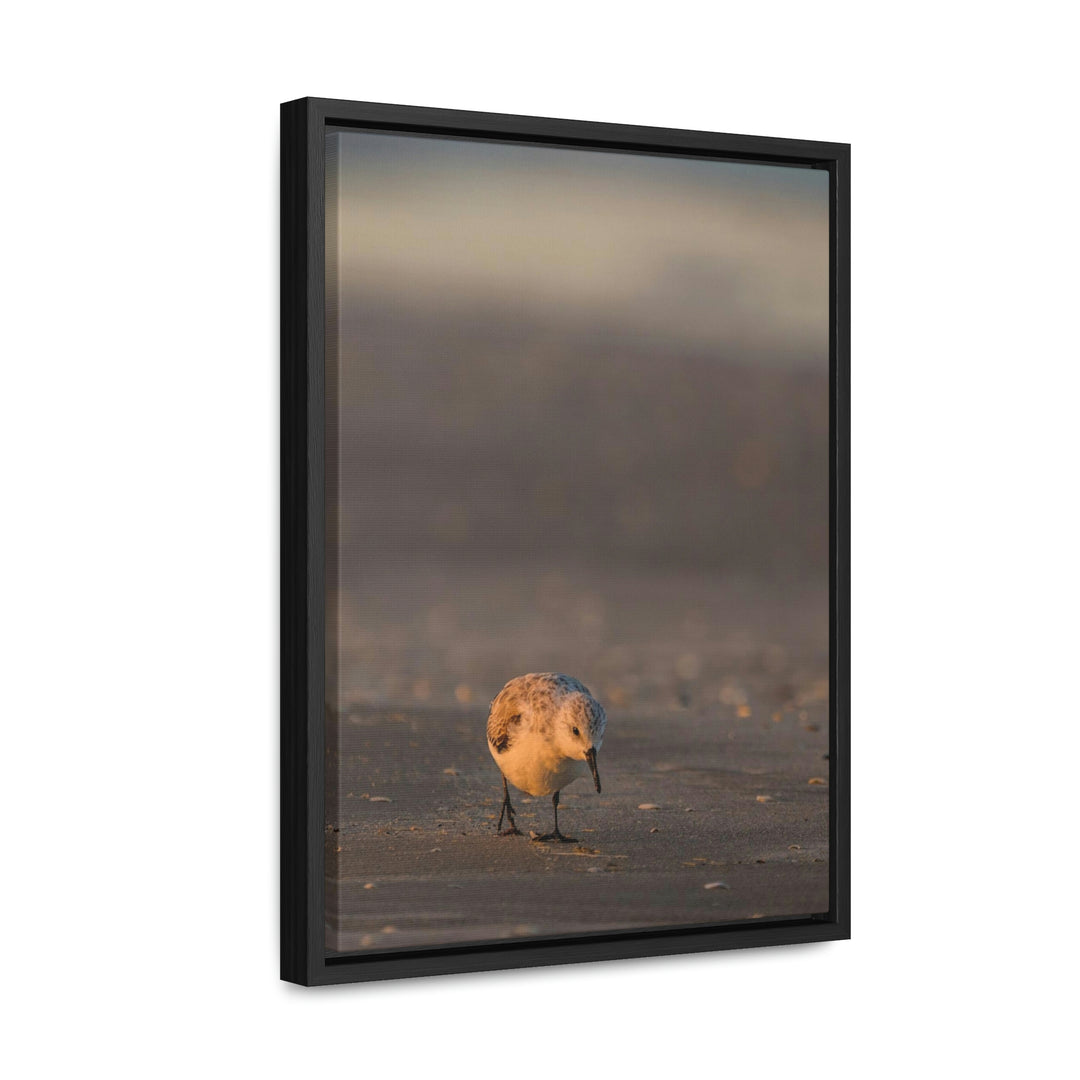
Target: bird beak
x,y
590,757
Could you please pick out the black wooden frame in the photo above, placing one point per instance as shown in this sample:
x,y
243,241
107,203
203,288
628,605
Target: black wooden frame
x,y
303,126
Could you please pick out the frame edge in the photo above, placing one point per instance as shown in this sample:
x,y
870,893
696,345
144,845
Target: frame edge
x,y
296,910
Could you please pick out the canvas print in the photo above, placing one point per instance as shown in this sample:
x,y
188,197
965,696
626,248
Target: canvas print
x,y
577,561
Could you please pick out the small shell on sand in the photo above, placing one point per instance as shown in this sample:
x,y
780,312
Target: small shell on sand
x,y
648,806
717,885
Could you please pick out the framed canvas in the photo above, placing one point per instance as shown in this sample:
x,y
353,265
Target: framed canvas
x,y
564,547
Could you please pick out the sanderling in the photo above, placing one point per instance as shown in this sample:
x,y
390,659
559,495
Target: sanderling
x,y
543,732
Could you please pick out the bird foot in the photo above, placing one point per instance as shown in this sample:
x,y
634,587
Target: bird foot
x,y
512,831
553,837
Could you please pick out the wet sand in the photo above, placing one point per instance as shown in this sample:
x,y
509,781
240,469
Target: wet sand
x,y
741,795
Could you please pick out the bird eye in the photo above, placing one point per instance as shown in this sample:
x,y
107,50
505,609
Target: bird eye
x,y
576,732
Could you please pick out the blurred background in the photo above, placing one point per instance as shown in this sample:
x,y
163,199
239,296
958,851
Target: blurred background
x,y
581,423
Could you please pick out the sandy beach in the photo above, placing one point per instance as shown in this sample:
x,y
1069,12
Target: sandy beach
x,y
737,799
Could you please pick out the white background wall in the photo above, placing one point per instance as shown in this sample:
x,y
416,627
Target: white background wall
x,y
138,443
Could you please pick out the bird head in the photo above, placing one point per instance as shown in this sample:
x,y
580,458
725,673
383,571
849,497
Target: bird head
x,y
580,732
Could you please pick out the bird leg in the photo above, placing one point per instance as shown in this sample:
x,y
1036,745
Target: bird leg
x,y
556,835
508,810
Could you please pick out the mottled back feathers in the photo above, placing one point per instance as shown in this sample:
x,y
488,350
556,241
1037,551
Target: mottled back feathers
x,y
534,702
